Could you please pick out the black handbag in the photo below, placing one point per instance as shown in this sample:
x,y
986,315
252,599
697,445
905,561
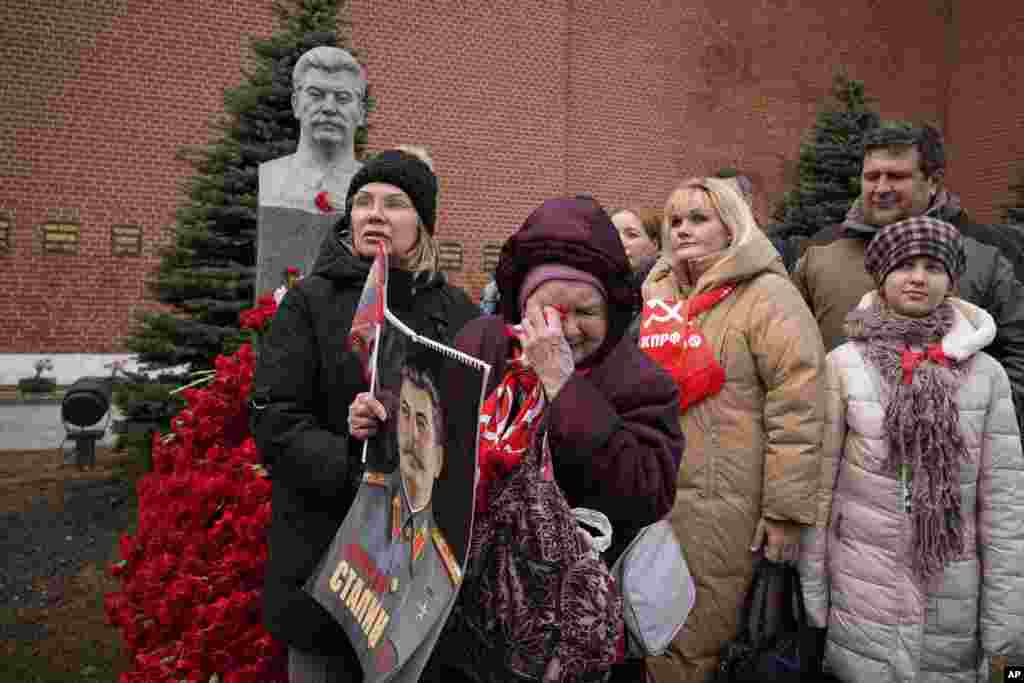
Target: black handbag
x,y
775,642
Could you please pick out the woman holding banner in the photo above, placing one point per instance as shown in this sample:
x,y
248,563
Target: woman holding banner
x,y
307,378
721,315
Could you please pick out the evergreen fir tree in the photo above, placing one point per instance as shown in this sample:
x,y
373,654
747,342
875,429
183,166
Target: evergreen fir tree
x,y
828,171
207,274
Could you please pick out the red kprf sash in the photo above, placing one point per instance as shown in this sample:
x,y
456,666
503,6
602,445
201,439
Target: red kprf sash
x,y
670,337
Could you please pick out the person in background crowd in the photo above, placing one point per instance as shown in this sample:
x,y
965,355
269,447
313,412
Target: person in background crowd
x,y
752,409
306,378
901,178
640,231
788,248
611,415
489,298
918,575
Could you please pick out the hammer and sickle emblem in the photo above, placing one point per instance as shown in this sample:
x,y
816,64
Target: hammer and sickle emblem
x,y
667,314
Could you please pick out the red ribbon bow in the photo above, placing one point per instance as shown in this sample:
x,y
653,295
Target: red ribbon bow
x,y
911,359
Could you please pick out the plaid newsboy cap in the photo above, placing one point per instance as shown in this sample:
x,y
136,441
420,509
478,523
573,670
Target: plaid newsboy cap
x,y
919,236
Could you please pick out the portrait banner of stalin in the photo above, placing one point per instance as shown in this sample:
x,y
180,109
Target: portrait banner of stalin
x,y
391,575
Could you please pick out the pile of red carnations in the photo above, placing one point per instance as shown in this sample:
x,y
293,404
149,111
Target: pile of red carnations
x,y
257,318
191,576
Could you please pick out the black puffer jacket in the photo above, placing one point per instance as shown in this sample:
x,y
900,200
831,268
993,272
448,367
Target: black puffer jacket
x,y
305,380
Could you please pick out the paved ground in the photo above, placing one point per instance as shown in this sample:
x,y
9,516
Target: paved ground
x,y
31,427
60,529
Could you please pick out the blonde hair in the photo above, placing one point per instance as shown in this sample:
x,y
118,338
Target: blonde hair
x,y
726,199
423,257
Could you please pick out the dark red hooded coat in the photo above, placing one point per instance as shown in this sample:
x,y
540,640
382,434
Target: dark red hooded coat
x,y
614,431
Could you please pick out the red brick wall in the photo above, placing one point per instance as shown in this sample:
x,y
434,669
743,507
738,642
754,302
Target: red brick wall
x,y
96,99
483,86
662,91
985,133
526,100
519,100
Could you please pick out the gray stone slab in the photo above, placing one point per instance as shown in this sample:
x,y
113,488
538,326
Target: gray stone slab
x,y
288,238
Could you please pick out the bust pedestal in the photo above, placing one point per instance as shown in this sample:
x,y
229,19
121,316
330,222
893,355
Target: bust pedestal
x,y
290,227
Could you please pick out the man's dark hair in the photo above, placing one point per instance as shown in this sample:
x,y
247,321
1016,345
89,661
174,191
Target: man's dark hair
x,y
422,378
927,139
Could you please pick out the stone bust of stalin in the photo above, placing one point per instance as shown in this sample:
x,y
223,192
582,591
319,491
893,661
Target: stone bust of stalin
x,y
329,101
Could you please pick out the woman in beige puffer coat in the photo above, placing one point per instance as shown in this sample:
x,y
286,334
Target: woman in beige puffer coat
x,y
751,468
909,595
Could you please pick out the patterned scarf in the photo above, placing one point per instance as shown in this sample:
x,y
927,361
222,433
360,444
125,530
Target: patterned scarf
x,y
945,206
508,419
922,422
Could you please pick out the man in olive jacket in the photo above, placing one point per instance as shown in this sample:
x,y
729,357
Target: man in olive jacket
x,y
902,177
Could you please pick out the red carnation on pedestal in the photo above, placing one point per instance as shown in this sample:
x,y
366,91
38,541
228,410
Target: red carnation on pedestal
x,y
325,202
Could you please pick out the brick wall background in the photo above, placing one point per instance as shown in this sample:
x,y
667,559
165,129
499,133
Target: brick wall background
x,y
986,105
519,100
526,100
96,99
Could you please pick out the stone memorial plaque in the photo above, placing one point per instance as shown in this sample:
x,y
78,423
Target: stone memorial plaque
x,y
61,238
5,233
491,254
449,256
126,240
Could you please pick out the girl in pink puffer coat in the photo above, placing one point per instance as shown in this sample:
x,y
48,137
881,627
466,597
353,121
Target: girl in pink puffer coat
x,y
919,575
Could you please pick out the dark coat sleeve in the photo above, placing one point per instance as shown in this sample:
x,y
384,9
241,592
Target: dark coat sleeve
x,y
616,441
1006,304
287,421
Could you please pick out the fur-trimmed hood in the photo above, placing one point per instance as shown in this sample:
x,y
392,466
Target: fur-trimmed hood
x,y
973,329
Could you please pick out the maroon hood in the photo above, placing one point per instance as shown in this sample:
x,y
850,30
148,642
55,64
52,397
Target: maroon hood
x,y
577,233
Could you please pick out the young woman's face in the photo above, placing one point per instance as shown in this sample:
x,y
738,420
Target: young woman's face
x,y
916,286
694,227
639,247
384,214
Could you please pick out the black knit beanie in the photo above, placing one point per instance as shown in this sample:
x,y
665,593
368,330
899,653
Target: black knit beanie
x,y
405,171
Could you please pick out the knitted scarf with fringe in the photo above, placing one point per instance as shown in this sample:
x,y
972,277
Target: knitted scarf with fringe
x,y
922,425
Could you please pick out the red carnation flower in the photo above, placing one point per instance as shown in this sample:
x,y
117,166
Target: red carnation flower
x,y
323,202
189,602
